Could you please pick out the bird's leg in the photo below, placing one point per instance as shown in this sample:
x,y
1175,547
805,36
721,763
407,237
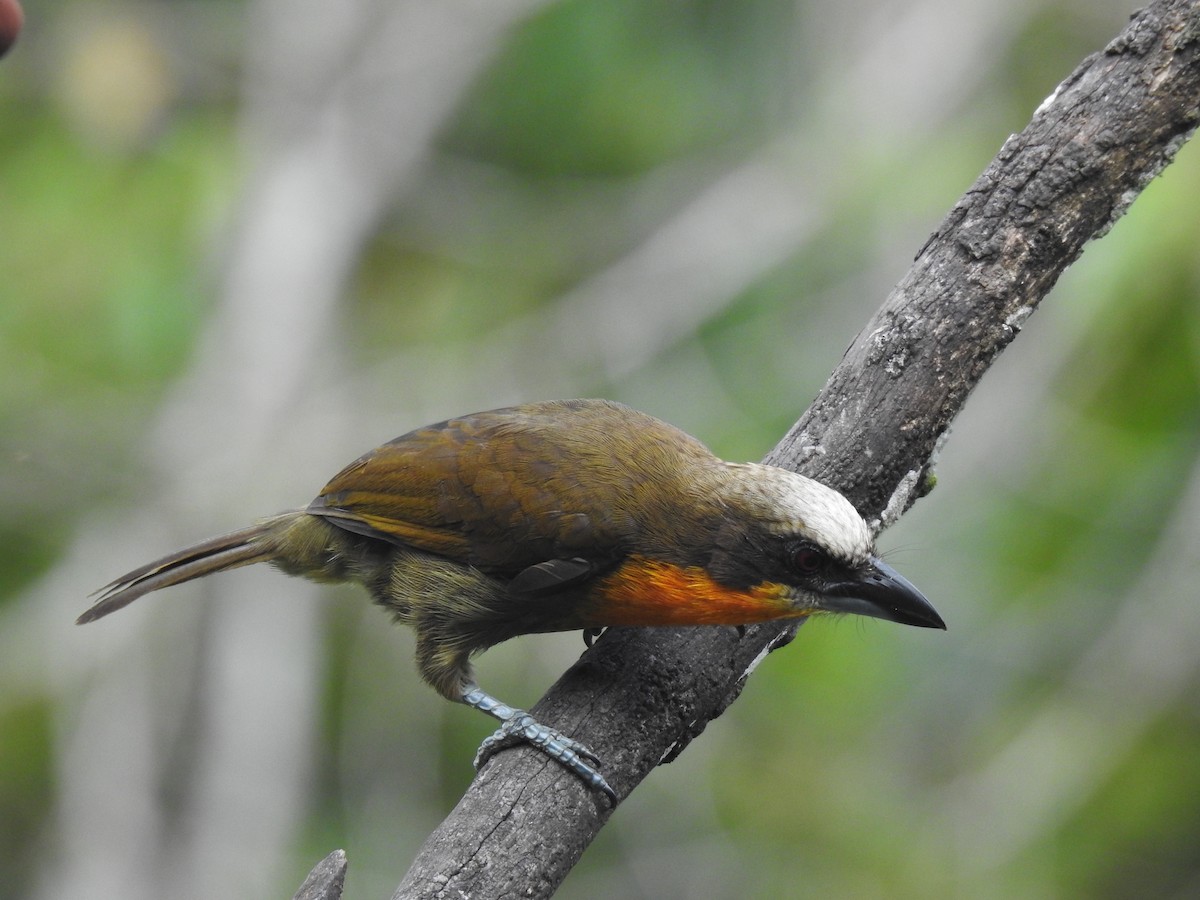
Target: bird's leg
x,y
519,727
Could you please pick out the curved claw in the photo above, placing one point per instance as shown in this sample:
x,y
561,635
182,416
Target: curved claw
x,y
519,727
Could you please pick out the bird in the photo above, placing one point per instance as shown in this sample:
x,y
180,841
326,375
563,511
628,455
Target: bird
x,y
556,516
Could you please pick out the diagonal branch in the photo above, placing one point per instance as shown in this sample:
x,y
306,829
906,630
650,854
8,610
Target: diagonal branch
x,y
640,696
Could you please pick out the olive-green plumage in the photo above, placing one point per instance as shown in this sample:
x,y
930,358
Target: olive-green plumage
x,y
501,490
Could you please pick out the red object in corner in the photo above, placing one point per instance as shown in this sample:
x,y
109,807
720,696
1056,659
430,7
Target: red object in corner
x,y
12,17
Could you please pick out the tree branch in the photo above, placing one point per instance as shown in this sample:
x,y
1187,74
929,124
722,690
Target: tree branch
x,y
640,696
326,880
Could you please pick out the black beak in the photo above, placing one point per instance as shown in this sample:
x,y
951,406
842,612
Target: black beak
x,y
879,591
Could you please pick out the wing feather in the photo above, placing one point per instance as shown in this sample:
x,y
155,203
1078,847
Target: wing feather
x,y
499,490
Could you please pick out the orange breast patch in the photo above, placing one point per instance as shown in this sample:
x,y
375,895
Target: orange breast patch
x,y
649,592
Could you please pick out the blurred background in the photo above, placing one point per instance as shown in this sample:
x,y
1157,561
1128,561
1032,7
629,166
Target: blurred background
x,y
244,242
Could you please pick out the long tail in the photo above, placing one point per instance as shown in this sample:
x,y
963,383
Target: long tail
x,y
240,548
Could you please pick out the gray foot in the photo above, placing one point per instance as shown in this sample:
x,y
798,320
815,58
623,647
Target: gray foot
x,y
518,727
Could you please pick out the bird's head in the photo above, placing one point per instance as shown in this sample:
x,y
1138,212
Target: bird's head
x,y
797,542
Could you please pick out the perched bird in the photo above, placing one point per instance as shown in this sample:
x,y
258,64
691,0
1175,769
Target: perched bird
x,y
572,514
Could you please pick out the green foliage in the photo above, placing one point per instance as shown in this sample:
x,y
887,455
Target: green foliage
x,y
26,790
610,89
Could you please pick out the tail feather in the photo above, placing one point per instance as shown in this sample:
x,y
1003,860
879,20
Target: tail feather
x,y
239,548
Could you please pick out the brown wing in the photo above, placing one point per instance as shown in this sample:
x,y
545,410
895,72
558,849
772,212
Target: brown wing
x,y
502,489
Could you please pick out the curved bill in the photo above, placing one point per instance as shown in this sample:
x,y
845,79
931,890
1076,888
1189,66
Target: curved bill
x,y
879,591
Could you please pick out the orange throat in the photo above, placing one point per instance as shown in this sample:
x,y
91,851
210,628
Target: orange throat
x,y
649,592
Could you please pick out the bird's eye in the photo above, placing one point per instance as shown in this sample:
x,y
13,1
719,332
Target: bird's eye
x,y
807,559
